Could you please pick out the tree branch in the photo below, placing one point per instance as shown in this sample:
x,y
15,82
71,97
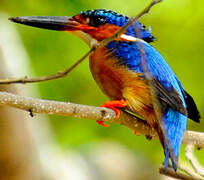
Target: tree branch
x,y
188,171
193,160
33,105
177,175
40,106
102,43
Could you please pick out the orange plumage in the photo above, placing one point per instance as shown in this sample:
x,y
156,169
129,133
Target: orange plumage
x,y
117,82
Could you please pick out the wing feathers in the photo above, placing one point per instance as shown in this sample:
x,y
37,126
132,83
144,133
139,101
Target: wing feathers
x,y
171,98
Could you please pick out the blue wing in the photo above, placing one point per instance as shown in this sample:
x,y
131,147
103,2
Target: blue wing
x,y
129,55
174,122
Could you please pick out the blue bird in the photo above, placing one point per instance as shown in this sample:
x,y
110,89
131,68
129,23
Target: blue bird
x,y
117,69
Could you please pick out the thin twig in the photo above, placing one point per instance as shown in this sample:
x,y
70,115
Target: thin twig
x,y
157,109
46,78
102,43
149,78
189,171
40,106
193,160
177,175
154,98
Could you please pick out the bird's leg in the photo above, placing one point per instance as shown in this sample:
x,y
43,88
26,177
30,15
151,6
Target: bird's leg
x,y
114,105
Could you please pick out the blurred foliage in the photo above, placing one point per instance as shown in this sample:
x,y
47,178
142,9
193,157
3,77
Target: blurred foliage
x,y
178,27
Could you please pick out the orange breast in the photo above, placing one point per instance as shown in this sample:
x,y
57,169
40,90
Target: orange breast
x,y
105,73
117,82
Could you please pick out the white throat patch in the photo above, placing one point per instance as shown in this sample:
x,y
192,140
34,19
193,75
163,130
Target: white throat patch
x,y
128,37
131,38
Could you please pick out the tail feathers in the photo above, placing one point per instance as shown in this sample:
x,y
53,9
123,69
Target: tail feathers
x,y
175,125
174,159
166,153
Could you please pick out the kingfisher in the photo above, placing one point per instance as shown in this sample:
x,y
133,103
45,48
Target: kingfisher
x,y
118,71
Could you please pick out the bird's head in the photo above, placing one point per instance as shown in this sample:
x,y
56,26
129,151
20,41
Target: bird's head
x,y
92,26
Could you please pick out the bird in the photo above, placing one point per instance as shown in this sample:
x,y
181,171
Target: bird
x,y
118,70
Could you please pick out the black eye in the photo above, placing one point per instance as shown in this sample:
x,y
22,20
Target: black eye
x,y
97,21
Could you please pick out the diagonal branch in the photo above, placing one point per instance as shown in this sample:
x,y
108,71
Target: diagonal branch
x,y
40,106
102,43
46,78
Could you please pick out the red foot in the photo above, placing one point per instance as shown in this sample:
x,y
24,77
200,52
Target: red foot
x,y
114,105
135,132
102,123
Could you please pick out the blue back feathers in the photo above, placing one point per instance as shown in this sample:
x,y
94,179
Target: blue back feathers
x,y
102,16
128,54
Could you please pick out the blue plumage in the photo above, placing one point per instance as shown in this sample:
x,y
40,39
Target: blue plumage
x,y
132,60
120,20
177,104
117,72
175,125
174,122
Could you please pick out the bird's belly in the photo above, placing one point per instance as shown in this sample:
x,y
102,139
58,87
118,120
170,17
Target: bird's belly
x,y
109,86
107,77
117,82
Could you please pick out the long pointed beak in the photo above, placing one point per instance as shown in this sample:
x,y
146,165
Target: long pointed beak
x,y
58,23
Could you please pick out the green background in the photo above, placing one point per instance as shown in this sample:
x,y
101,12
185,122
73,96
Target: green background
x,y
178,27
